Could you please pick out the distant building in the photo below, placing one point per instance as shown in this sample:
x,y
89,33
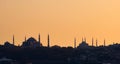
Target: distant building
x,y
32,42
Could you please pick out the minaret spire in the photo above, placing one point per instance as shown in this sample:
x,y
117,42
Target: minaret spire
x,y
25,39
74,42
96,43
39,38
13,40
92,42
48,41
104,43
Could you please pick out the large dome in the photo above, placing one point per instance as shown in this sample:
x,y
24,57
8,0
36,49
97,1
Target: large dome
x,y
31,39
83,44
31,42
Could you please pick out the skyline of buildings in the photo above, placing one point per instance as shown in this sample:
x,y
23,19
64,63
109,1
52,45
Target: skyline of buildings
x,y
32,40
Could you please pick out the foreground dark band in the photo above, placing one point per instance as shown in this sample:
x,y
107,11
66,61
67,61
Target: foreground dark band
x,y
62,55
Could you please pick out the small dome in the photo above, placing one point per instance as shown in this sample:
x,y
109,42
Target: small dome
x,y
31,39
7,43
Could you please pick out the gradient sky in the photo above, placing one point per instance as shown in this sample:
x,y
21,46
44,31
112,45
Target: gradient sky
x,y
62,19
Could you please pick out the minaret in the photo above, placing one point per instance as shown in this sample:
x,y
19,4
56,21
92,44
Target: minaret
x,y
104,43
39,38
48,41
25,39
92,42
13,40
96,43
74,42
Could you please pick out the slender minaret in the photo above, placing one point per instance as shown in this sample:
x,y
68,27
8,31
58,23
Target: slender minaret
x,y
25,39
104,43
48,41
74,42
39,38
13,40
92,42
96,43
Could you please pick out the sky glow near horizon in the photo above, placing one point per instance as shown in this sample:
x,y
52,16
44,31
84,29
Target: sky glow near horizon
x,y
63,20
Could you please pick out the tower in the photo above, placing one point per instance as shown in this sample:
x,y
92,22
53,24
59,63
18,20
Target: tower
x,y
96,43
48,41
39,38
74,42
104,43
92,42
25,39
13,40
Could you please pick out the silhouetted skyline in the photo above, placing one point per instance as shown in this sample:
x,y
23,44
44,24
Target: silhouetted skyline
x,y
62,19
32,42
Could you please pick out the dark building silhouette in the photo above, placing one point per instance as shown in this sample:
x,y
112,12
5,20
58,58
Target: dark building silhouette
x,y
32,42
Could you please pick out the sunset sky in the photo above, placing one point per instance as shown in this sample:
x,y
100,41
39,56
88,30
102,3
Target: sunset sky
x,y
63,20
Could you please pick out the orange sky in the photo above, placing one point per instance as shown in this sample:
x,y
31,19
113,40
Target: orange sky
x,y
62,19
